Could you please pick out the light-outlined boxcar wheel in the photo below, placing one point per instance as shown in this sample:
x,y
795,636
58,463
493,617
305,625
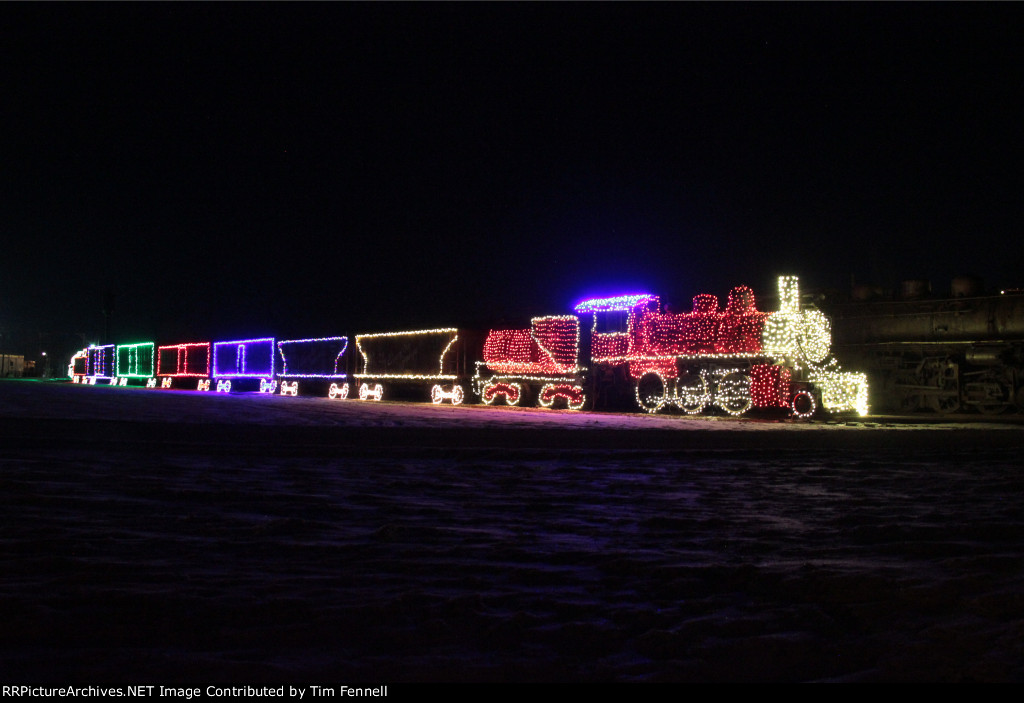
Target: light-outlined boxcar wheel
x,y
488,396
514,394
580,404
546,397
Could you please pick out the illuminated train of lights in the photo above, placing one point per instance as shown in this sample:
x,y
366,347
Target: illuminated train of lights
x,y
612,352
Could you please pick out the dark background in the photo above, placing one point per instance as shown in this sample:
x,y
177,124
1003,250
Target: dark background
x,y
240,169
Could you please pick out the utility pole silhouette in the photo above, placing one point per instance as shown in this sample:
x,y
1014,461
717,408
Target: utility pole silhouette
x,y
108,311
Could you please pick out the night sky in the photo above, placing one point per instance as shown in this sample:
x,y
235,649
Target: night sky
x,y
295,170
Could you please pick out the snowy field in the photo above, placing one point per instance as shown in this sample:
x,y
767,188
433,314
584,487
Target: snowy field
x,y
183,537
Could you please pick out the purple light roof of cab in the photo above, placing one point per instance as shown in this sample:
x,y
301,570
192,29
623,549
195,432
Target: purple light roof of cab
x,y
618,302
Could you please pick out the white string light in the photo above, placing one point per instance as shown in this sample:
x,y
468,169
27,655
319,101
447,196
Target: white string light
x,y
290,389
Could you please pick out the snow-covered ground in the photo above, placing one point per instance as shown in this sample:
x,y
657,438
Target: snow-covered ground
x,y
186,537
79,402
